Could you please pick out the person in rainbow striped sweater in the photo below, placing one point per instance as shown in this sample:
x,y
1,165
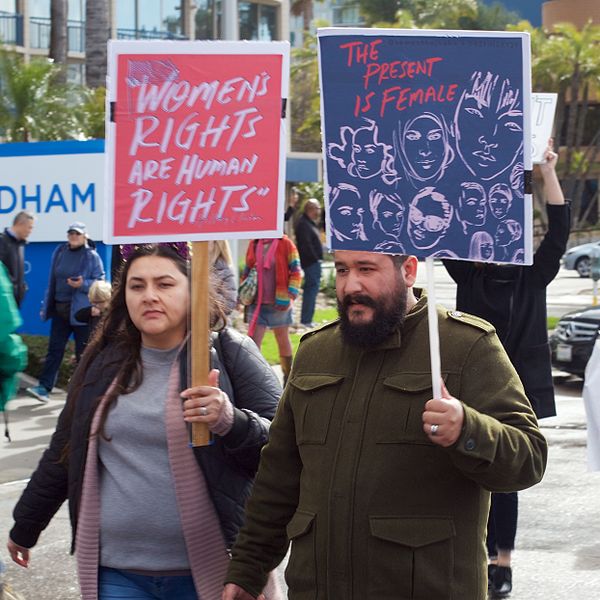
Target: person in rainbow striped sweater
x,y
279,275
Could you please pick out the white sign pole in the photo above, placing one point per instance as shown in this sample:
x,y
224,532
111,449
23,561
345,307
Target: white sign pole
x,y
434,335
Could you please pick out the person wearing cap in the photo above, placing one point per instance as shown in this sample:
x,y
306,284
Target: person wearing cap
x,y
74,268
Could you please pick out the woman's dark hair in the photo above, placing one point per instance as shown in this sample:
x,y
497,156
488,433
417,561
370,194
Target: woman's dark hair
x,y
117,330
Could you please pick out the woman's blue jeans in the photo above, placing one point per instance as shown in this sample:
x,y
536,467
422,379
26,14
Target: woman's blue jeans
x,y
114,584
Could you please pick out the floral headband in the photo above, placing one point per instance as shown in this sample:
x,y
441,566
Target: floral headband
x,y
183,249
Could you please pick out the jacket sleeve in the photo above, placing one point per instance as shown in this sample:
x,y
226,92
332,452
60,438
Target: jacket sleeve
x,y
94,272
48,301
458,269
501,446
225,285
47,489
84,315
6,259
256,392
262,541
546,261
294,270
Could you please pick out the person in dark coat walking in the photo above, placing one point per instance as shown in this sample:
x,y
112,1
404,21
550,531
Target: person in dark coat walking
x,y
513,299
310,249
12,251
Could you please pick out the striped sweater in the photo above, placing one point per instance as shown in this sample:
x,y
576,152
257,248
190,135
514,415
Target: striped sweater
x,y
288,274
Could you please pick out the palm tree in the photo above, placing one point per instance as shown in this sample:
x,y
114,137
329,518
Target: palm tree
x,y
97,33
58,37
32,104
567,61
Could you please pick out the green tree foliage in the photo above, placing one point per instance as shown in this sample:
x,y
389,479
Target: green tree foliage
x,y
438,14
91,113
404,14
305,100
35,107
566,60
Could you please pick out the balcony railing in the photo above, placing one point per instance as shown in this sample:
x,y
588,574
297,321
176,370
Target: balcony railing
x,y
148,34
39,34
11,29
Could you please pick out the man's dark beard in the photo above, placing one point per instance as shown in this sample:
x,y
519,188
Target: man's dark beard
x,y
388,315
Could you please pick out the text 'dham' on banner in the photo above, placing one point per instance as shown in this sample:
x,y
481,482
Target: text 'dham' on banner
x,y
195,140
427,142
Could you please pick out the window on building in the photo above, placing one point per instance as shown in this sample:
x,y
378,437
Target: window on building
x,y
208,19
257,21
76,10
150,18
8,6
39,8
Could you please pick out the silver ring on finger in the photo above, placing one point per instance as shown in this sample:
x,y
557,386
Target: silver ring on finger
x,y
434,429
203,411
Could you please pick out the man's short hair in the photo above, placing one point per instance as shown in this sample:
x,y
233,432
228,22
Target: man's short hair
x,y
23,216
398,260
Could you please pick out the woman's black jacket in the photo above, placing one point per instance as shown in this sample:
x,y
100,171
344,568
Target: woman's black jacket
x,y
513,300
229,464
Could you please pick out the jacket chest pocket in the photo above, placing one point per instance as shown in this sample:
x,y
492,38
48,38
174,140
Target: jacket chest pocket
x,y
411,558
312,403
402,405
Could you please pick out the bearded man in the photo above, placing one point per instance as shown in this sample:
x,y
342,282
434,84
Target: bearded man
x,y
383,491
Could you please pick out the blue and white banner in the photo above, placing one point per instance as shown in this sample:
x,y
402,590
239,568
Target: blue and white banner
x,y
427,142
59,182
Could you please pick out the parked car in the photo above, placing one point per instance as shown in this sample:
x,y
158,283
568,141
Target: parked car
x,y
578,258
573,340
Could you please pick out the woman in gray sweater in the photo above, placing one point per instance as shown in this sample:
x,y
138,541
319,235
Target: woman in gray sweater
x,y
150,514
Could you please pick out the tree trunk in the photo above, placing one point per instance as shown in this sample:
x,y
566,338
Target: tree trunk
x,y
97,32
571,132
58,37
307,14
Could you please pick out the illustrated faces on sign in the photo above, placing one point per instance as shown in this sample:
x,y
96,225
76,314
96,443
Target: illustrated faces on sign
x,y
429,217
488,125
500,200
507,232
362,154
472,204
387,211
347,213
517,179
425,148
482,246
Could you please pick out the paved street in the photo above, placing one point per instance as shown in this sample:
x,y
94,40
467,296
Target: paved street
x,y
558,544
567,292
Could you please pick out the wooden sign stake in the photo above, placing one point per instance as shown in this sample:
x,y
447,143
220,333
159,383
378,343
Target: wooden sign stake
x,y
200,356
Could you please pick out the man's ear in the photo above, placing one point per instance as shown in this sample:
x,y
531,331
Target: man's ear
x,y
409,270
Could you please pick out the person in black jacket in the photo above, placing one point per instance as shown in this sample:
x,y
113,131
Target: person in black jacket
x,y
12,251
310,249
143,504
513,299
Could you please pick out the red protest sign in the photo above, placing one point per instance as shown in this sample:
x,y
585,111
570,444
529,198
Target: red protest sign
x,y
196,140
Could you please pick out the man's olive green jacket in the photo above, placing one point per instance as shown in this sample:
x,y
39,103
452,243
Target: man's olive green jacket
x,y
374,510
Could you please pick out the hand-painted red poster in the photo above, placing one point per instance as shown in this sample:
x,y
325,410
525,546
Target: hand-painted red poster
x,y
195,140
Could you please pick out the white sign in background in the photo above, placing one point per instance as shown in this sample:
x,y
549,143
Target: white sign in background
x,y
543,107
58,189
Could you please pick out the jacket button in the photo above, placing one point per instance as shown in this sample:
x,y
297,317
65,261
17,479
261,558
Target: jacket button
x,y
470,444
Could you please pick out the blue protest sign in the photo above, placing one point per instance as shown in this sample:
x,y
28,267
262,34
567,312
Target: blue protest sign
x,y
426,141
